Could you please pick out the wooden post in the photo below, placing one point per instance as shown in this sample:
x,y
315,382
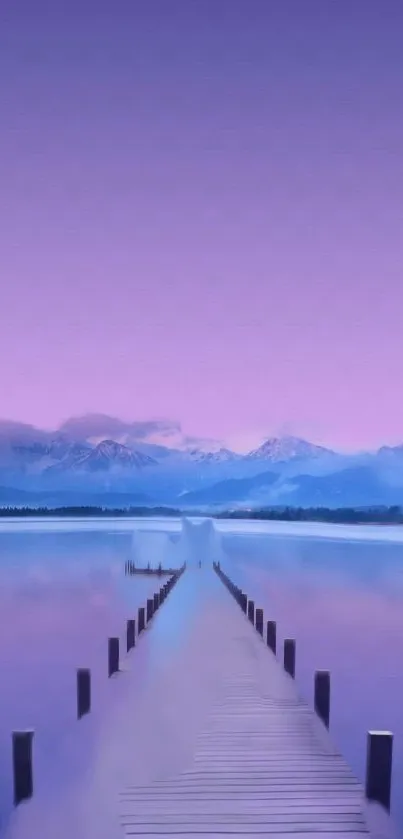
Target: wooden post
x,y
113,656
259,621
379,767
141,619
289,656
130,634
244,603
83,692
251,611
156,601
150,609
22,765
271,636
322,695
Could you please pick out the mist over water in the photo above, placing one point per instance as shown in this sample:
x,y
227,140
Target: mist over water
x,y
199,543
153,549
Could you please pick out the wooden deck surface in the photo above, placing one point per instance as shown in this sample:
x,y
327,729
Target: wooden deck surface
x,y
263,763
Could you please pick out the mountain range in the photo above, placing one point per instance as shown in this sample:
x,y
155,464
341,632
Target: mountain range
x,y
98,459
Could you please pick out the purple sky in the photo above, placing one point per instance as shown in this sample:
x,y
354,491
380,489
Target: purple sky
x,y
201,214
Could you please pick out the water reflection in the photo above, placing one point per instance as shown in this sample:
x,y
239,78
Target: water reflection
x,y
61,596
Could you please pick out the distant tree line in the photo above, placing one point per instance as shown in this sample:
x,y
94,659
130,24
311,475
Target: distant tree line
x,y
23,512
341,515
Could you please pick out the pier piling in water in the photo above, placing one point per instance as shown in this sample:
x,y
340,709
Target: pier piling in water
x,y
271,636
322,695
22,765
141,619
379,767
113,656
251,611
150,609
83,692
259,621
289,656
130,634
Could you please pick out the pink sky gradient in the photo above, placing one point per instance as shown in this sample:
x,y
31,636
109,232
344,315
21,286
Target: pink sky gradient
x,y
202,218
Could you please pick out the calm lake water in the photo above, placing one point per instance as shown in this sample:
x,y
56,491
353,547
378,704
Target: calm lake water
x,y
337,590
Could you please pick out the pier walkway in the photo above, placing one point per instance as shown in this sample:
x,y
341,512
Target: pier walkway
x,y
209,738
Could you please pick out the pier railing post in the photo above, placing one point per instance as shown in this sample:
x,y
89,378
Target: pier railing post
x,y
259,621
83,692
130,634
322,695
22,765
271,636
289,656
251,611
379,767
113,656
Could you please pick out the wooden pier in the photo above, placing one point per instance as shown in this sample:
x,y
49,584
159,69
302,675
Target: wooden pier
x,y
217,742
264,763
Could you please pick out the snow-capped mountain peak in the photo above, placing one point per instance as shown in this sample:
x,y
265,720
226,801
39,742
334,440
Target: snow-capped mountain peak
x,y
222,455
111,450
106,455
283,449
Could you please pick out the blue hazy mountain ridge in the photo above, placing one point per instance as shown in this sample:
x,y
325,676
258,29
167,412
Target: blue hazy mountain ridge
x,y
358,486
230,491
355,487
153,462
